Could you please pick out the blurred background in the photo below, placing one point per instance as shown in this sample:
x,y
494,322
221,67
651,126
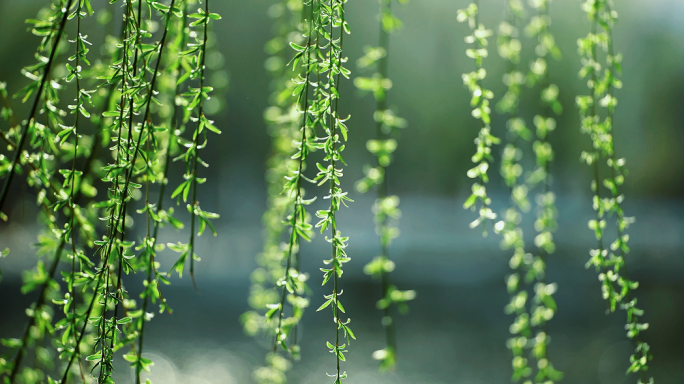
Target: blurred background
x,y
456,329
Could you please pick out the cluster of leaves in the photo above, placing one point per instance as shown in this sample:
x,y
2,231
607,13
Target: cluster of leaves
x,y
277,282
528,277
509,47
145,98
193,61
529,327
144,106
329,19
385,208
299,108
481,111
543,306
617,288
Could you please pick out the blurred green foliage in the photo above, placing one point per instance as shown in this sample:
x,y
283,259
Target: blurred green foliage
x,y
427,88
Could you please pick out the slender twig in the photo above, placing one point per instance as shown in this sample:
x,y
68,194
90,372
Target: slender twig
x,y
200,115
77,111
131,114
383,67
615,193
333,227
151,270
34,108
114,219
294,236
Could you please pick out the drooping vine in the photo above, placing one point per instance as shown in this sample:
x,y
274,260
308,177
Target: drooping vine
x,y
385,208
125,72
130,78
195,112
325,113
51,196
529,327
292,281
132,82
481,111
158,170
83,98
509,48
292,139
142,101
543,306
610,262
52,31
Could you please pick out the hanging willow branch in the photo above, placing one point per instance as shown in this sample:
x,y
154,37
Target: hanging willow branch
x,y
158,171
292,281
99,317
385,208
40,74
195,112
325,113
277,281
509,47
543,306
617,288
83,97
108,339
529,327
50,194
480,102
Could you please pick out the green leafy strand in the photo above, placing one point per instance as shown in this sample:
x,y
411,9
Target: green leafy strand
x,y
617,288
195,97
86,276
108,339
83,97
385,208
157,170
543,306
126,74
529,327
102,288
325,112
131,103
480,103
300,228
52,31
509,48
42,163
45,138
284,124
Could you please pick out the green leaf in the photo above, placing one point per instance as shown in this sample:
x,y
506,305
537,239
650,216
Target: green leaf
x,y
325,305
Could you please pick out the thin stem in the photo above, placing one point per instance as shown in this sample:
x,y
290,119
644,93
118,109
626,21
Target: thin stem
x,y
195,144
114,221
333,227
85,324
383,67
103,321
34,108
151,270
484,125
294,237
597,179
72,291
131,114
42,296
615,191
